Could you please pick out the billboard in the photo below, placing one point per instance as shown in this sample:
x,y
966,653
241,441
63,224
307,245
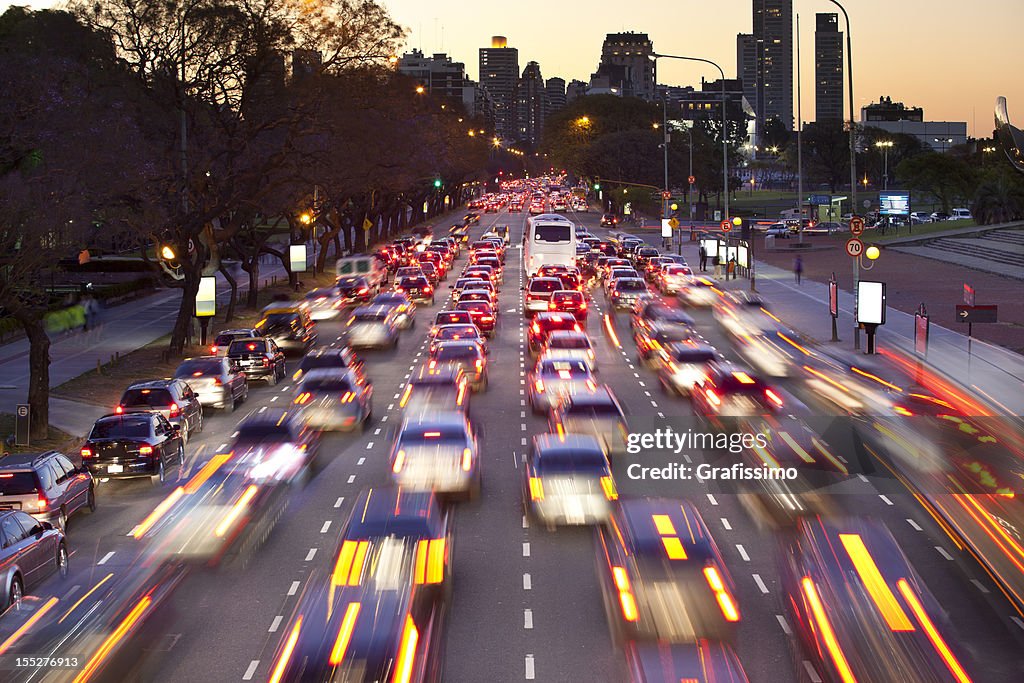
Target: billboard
x,y
894,203
871,302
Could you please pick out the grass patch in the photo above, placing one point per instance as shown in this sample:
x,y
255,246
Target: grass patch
x,y
923,229
57,439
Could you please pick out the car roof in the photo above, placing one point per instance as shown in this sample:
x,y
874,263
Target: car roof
x,y
152,383
328,373
445,418
379,511
645,522
468,344
375,309
553,444
441,373
13,461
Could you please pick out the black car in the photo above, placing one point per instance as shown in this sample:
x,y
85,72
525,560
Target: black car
x,y
171,398
29,552
609,220
133,445
328,357
417,289
354,291
258,358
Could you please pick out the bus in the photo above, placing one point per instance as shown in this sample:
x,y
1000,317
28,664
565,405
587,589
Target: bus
x,y
548,239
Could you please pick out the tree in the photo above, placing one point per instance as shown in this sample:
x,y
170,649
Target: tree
x,y
946,178
826,153
999,197
903,147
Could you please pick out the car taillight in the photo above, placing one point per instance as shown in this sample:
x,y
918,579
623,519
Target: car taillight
x,y
608,486
146,450
363,290
303,398
265,361
217,382
399,462
86,452
539,385
626,599
119,410
213,349
773,397
428,288
535,329
467,459
536,489
713,397
487,318
725,601
175,410
479,365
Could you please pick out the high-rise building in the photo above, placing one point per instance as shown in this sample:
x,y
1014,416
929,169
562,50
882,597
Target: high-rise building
x,y
576,88
773,38
828,68
531,101
626,67
499,75
438,73
746,65
556,94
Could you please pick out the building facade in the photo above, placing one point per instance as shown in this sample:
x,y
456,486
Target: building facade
x,y
773,38
499,75
555,88
887,110
626,67
828,68
575,89
896,117
746,65
531,105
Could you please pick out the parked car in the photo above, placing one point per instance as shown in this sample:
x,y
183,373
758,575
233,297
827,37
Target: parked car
x,y
29,552
961,214
940,216
171,398
217,381
133,445
46,486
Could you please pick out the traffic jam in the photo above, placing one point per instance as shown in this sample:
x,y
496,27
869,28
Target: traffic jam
x,y
608,343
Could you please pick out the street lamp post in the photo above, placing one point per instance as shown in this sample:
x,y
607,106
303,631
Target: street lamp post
x,y
885,145
725,137
853,150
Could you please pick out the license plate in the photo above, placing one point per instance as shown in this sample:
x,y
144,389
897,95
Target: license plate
x,y
115,469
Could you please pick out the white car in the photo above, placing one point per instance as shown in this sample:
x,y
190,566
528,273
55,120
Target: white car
x,y
569,345
375,326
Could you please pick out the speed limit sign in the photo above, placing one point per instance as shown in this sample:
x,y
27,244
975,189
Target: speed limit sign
x,y
854,247
856,226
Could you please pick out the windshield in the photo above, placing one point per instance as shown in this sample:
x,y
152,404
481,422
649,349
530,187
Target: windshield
x,y
247,347
564,368
225,339
278,320
545,285
326,360
560,342
197,368
630,285
458,331
552,232
431,434
146,397
447,352
369,316
130,427
569,462
338,384
604,409
17,483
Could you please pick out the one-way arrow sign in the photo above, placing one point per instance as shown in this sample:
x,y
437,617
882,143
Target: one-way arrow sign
x,y
977,314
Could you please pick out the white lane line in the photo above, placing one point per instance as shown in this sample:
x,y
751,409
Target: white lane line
x,y
636,374
784,624
760,583
263,410
742,552
222,447
527,582
391,406
369,445
647,394
325,527
886,500
273,398
522,441
396,396
687,458
360,461
294,588
526,549
713,500
310,555
376,431
274,624
253,665
527,618
351,478
103,560
522,413
942,551
980,586
1018,621
725,523
284,390
914,525
526,522
384,419
640,383
862,478
530,673
811,673
661,415
338,502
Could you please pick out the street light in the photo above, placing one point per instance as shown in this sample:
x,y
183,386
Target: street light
x,y
853,150
725,137
306,218
885,145
167,253
944,142
420,90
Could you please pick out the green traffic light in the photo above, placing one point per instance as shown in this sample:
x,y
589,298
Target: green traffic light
x,y
437,182
597,186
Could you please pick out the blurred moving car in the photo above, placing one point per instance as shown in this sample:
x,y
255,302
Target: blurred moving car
x,y
438,388
330,357
30,551
437,452
258,358
323,303
699,293
728,390
703,662
662,576
171,398
544,324
596,412
567,480
334,398
571,344
373,326
401,305
468,354
289,326
463,332
681,365
134,445
551,379
45,485
625,291
224,338
217,381
673,277
274,446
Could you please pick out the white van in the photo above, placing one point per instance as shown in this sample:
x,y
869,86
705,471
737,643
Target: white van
x,y
960,214
364,266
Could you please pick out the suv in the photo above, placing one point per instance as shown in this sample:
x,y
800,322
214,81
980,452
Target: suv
x,y
172,398
47,486
258,358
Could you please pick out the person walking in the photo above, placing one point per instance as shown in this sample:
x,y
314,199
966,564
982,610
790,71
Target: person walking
x,y
703,259
798,268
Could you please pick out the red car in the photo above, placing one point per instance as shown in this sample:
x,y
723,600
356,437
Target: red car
x,y
482,313
570,301
545,323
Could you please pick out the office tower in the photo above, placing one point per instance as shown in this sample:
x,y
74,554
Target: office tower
x,y
626,67
531,105
828,68
556,94
773,38
499,75
746,65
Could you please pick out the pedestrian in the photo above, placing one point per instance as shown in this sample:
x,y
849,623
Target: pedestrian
x,y
717,262
703,259
730,269
798,268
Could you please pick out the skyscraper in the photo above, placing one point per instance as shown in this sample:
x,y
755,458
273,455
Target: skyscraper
x,y
531,101
746,65
828,68
773,38
556,94
626,67
499,74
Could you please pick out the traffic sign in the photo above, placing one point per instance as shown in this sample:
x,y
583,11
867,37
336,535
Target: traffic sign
x,y
22,424
726,226
977,314
854,247
674,222
666,195
968,294
692,179
856,226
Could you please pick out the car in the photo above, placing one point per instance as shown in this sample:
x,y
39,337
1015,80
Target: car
x,y
477,295
551,379
330,357
452,318
459,332
133,445
680,365
30,551
643,256
46,485
291,327
433,274
408,271
440,387
217,381
171,398
417,288
379,614
545,323
625,291
401,305
323,303
334,398
570,279
471,218
258,358
657,561
705,661
482,313
777,230
468,355
570,344
921,217
437,452
699,293
373,326
830,227
537,294
652,337
224,338
673,277
609,220
940,216
596,412
273,445
961,214
567,480
481,272
475,285
728,390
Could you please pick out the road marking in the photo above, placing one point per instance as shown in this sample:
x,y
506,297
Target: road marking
x,y
310,555
636,374
254,664
862,478
351,478
980,586
887,501
913,524
325,527
742,552
725,523
526,522
338,502
640,383
760,583
712,499
384,419
529,668
647,394
222,447
285,389
687,458
369,445
263,410
103,560
376,431
942,551
527,618
522,441
811,673
1018,621
391,405
360,461
273,398
274,624
527,582
526,549
522,413
784,624
294,588
396,398
661,415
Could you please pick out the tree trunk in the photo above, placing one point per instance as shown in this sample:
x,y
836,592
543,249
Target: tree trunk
x,y
38,375
252,268
234,292
186,309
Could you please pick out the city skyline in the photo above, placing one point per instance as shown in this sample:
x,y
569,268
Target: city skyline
x,y
450,27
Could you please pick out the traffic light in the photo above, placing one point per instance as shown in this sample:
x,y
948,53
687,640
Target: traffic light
x,y
597,183
437,182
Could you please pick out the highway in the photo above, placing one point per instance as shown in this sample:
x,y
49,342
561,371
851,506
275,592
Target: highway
x,y
526,604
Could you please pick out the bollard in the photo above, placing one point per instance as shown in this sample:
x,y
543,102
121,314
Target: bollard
x,y
99,368
117,356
